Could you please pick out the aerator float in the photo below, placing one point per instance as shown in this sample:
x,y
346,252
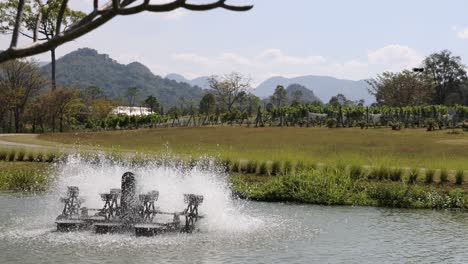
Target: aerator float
x,y
125,211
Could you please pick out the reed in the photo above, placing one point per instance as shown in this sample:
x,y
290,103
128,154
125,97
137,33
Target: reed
x,y
30,157
356,172
459,177
264,169
429,176
395,174
236,166
251,166
443,176
276,168
413,176
3,155
20,155
11,155
288,168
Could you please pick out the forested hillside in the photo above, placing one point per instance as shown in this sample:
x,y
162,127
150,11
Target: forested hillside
x,y
86,67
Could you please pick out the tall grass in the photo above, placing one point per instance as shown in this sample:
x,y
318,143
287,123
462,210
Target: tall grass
x,y
443,176
264,169
252,166
396,174
356,172
459,177
276,168
413,176
20,156
429,176
24,176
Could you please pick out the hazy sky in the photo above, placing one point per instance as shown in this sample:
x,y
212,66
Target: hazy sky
x,y
353,39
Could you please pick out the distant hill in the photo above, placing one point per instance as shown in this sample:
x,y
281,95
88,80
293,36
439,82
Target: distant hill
x,y
307,95
201,82
86,67
323,87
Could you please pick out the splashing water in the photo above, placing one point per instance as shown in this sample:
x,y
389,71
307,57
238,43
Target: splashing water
x,y
220,211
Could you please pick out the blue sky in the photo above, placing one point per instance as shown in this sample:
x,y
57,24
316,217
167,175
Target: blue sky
x,y
342,38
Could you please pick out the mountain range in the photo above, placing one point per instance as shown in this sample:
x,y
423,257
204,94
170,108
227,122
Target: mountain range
x,y
324,87
86,67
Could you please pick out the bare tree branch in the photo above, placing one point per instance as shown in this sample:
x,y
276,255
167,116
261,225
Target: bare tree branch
x,y
16,30
63,7
98,17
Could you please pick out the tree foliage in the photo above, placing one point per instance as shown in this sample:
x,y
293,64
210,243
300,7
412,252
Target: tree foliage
x,y
447,74
404,88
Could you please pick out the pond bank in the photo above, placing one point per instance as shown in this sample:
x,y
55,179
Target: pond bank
x,y
335,187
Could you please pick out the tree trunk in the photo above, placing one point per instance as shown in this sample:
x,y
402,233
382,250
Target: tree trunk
x,y
61,123
52,57
17,121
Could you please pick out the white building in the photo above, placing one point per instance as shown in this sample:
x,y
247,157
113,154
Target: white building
x,y
131,110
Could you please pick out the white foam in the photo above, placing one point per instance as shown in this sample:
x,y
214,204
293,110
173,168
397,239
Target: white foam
x,y
221,212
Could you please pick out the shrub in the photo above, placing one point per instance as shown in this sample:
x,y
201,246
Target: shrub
x,y
331,123
395,174
276,168
395,125
11,155
51,156
3,155
20,155
459,177
362,124
443,176
252,166
264,169
431,124
381,173
226,164
300,166
40,157
413,176
430,176
30,157
288,167
355,172
236,166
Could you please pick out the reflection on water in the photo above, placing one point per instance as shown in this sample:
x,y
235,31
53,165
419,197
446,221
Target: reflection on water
x,y
234,231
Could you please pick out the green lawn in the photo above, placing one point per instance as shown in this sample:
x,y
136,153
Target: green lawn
x,y
406,148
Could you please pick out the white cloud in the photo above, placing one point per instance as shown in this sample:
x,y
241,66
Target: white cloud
x,y
192,58
462,33
277,56
395,57
275,62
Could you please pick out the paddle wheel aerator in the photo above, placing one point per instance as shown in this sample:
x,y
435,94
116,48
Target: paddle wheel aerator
x,y
124,210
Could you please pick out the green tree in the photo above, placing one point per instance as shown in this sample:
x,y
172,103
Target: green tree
x,y
447,74
93,93
340,100
279,97
296,97
153,103
208,104
131,95
229,89
401,89
20,81
40,21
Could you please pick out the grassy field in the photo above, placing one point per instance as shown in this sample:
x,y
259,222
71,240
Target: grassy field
x,y
414,148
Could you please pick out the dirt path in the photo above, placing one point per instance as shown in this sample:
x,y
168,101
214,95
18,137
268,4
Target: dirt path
x,y
31,141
